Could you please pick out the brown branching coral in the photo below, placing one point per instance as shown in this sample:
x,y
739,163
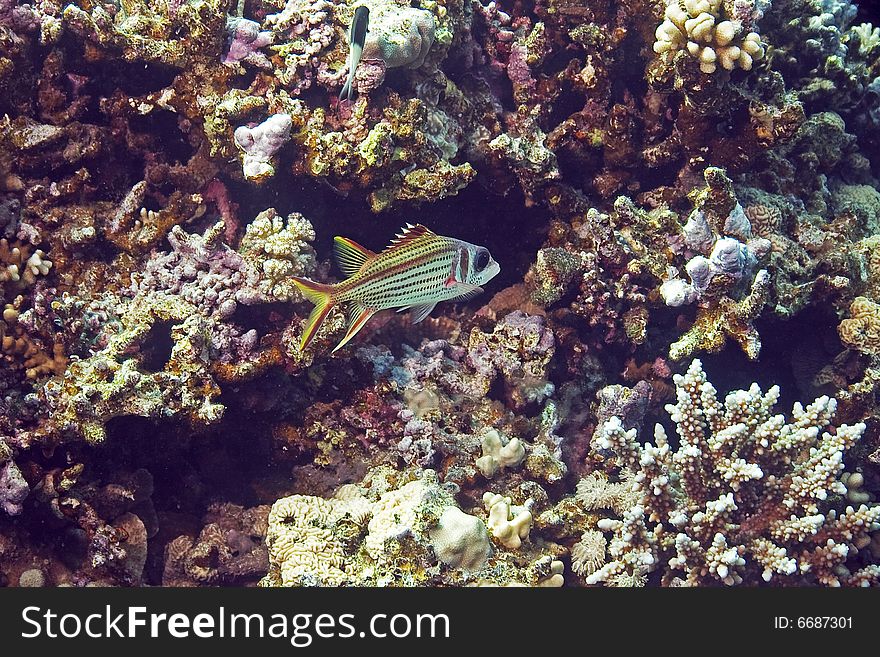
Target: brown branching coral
x,y
595,261
136,229
117,381
726,319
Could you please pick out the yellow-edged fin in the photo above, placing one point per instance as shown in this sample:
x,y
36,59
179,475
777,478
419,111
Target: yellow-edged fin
x,y
410,234
357,317
350,256
318,294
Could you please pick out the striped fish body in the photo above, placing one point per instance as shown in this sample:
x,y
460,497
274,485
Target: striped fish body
x,y
418,270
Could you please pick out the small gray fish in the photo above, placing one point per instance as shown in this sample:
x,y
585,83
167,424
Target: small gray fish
x,y
357,34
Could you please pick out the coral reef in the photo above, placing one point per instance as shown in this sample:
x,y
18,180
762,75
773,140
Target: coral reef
x,y
658,181
376,533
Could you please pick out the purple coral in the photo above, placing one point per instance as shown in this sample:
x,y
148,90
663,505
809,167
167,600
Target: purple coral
x,y
213,278
13,489
260,143
21,18
697,233
729,257
245,40
370,75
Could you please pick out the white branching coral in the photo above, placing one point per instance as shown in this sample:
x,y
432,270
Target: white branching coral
x,y
702,28
747,496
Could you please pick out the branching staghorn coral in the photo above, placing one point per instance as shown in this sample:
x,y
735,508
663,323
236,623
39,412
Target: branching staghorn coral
x,y
746,496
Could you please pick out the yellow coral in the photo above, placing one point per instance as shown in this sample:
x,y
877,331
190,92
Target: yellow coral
x,y
279,250
700,28
302,545
862,330
94,390
509,524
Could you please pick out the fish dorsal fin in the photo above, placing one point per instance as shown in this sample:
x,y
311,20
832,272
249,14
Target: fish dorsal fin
x,y
350,255
410,234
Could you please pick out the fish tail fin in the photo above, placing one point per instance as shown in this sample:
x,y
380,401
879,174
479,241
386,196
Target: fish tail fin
x,y
345,94
320,295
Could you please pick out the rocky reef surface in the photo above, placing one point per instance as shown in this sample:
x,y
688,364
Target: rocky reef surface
x,y
673,381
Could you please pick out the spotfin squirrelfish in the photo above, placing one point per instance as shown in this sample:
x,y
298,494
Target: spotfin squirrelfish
x,y
357,35
416,272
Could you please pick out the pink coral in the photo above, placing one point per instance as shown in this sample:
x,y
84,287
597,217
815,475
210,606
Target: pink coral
x,y
260,143
245,40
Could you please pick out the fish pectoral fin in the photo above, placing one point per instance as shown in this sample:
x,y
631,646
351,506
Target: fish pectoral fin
x,y
420,311
467,290
350,256
358,315
410,234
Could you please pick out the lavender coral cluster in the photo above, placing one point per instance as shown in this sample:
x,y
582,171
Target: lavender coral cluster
x,y
721,236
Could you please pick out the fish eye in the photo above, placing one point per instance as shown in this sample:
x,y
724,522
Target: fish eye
x,y
482,259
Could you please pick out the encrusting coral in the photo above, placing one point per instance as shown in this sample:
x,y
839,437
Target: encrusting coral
x,y
194,290
390,530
